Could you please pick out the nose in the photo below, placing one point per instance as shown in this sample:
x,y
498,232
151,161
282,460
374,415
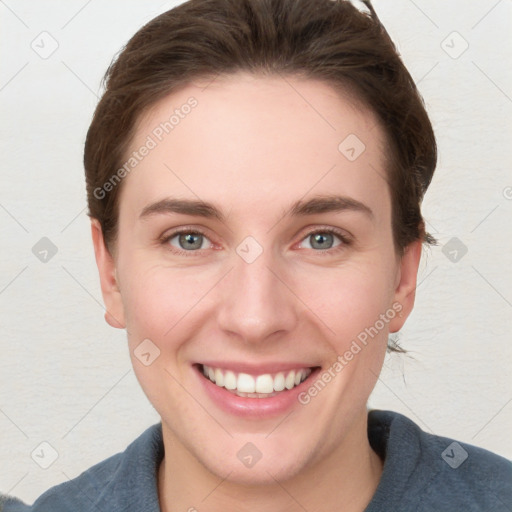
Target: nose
x,y
255,301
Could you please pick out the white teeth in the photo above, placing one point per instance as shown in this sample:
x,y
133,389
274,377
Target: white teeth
x,y
290,380
229,380
219,378
245,383
279,382
264,384
261,386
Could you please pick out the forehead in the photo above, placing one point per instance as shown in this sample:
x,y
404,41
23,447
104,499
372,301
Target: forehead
x,y
247,140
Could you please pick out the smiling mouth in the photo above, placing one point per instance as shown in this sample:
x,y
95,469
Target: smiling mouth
x,y
256,386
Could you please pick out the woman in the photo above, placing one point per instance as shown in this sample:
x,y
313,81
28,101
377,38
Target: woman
x,y
255,171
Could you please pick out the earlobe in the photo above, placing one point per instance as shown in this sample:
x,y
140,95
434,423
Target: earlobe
x,y
405,289
114,314
113,321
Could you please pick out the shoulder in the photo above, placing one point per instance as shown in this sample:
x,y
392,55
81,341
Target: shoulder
x,y
123,478
432,472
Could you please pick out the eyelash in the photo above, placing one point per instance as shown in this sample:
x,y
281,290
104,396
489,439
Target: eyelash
x,y
345,241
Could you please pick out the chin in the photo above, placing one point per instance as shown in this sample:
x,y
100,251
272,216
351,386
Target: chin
x,y
261,473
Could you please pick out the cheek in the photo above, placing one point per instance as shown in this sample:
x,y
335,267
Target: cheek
x,y
159,305
153,306
349,299
157,299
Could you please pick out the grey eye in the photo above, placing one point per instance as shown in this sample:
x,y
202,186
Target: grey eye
x,y
322,240
189,241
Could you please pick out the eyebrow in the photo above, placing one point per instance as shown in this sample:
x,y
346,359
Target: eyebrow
x,y
301,208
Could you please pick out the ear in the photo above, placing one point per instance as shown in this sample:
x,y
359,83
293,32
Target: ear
x,y
114,314
405,284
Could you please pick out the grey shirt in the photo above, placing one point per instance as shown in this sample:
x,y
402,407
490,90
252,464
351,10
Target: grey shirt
x,y
422,472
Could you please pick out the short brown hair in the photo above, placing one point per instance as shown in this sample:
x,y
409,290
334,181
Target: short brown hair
x,y
330,40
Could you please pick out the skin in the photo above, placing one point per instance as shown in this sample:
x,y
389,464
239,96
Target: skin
x,y
253,146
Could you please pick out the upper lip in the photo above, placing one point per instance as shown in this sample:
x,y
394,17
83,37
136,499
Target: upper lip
x,y
257,369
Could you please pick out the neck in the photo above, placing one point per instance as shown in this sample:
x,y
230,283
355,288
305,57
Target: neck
x,y
349,474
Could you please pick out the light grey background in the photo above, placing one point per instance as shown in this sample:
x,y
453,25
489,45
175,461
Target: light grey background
x,y
66,377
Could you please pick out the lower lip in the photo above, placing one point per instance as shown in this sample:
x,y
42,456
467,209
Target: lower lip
x,y
254,407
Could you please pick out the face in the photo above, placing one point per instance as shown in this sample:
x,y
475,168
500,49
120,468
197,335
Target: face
x,y
255,246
